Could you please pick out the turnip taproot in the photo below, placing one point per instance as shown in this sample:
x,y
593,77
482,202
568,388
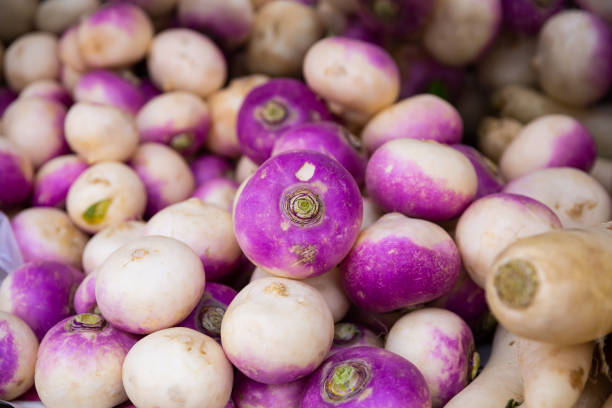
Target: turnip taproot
x,y
54,178
108,88
18,348
56,16
16,169
219,191
31,57
47,89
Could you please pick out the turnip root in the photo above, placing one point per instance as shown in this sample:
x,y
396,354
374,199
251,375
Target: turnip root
x,y
399,262
47,234
185,60
490,180
574,57
47,89
108,88
149,284
206,229
252,394
499,384
201,376
16,169
274,352
536,280
54,178
508,62
495,134
210,166
553,376
528,16
481,232
40,293
245,169
105,242
31,57
18,348
353,335
575,197
219,192
461,30
283,31
57,15
17,18
422,117
602,172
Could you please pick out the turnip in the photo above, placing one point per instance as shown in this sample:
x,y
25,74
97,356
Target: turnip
x,y
210,166
328,138
105,242
602,172
178,119
398,18
219,192
207,230
574,57
57,15
155,8
17,18
334,65
399,262
54,178
527,16
549,141
40,293
149,284
70,77
575,197
422,117
553,375
495,134
185,60
440,345
116,35
421,179
461,30
207,316
224,107
16,169
6,99
18,348
348,334
47,234
329,286
105,194
499,384
79,363
289,205
283,31
600,7
282,352
107,88
489,179
536,280
177,368
69,52
85,296
245,168
482,233
29,58
230,22
366,377
271,109
252,394
47,89
36,125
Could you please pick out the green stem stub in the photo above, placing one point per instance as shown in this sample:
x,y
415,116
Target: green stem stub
x,y
182,141
475,365
273,112
513,404
209,319
345,333
96,212
516,283
303,207
346,380
385,9
86,322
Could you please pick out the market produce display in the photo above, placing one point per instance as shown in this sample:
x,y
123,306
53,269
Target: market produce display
x,y
305,203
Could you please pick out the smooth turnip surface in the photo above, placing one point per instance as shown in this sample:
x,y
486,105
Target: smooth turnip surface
x,y
47,234
85,296
398,18
250,394
421,179
289,205
79,363
16,170
40,293
353,335
207,230
57,15
440,345
602,172
219,191
366,377
422,117
399,262
290,330
489,179
105,194
54,178
208,167
108,88
47,89
69,53
31,57
201,376
18,348
528,16
273,108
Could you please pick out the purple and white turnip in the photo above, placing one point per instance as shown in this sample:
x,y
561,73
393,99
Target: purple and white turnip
x,y
210,166
31,57
18,348
54,178
47,89
250,394
17,173
219,192
108,88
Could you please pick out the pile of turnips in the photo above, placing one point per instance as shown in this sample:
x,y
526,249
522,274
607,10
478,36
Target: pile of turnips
x,y
306,204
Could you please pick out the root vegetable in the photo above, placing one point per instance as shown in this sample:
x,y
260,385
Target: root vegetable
x,y
251,394
219,192
602,172
208,167
47,89
398,18
18,347
16,169
17,18
107,88
490,180
85,296
31,57
245,169
54,178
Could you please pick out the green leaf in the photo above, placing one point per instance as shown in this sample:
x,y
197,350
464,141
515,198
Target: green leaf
x,y
96,212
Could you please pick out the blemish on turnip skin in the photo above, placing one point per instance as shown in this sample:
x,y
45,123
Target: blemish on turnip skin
x,y
575,378
578,208
277,289
305,172
139,254
307,254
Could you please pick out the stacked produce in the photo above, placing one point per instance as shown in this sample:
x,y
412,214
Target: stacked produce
x,y
306,204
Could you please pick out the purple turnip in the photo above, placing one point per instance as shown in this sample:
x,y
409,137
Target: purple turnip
x,y
210,166
31,57
298,333
79,363
108,88
399,262
528,16
47,89
489,179
17,172
40,293
251,394
353,335
285,209
219,192
54,178
18,348
56,16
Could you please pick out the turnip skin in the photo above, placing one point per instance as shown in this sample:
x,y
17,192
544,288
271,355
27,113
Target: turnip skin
x,y
218,191
366,377
107,88
490,180
17,173
422,117
47,89
79,363
272,108
18,348
210,166
54,178
40,294
528,16
399,262
401,176
251,394
307,196
371,212
245,168
348,334
29,58
85,295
